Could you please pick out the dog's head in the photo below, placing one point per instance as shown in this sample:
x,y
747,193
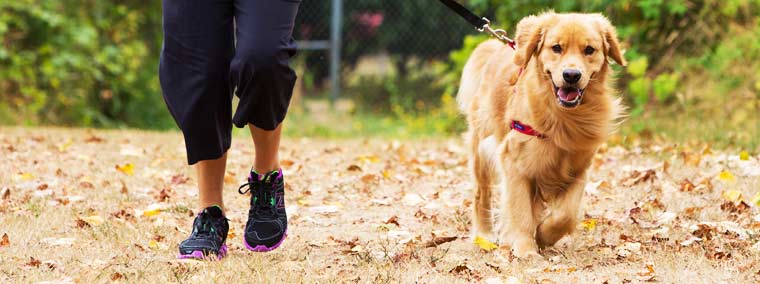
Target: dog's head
x,y
571,49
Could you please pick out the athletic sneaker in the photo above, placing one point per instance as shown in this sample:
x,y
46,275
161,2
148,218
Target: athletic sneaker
x,y
267,223
209,234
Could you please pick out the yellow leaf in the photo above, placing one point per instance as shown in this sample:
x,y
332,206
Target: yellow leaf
x,y
756,199
744,156
152,210
387,174
484,244
25,176
231,233
732,195
303,202
153,244
94,220
369,159
63,147
589,224
128,169
726,176
229,178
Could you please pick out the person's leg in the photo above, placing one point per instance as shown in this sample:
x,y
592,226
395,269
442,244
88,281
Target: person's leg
x,y
264,81
211,181
266,144
193,70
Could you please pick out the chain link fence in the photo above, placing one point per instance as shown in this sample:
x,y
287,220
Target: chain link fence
x,y
385,40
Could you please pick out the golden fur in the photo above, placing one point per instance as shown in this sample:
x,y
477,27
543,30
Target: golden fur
x,y
542,180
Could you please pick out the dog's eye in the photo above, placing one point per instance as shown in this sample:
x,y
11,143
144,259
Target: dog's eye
x,y
589,50
557,49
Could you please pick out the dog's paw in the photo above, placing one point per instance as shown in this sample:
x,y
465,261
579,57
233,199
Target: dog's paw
x,y
526,249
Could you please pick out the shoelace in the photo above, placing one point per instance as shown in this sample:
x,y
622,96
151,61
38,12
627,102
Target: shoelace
x,y
263,196
206,227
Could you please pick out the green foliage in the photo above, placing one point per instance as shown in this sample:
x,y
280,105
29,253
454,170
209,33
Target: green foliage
x,y
89,63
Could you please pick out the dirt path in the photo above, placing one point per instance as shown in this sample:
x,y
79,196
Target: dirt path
x,y
84,206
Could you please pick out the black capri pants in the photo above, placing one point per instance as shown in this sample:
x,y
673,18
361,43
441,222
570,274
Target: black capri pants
x,y
202,63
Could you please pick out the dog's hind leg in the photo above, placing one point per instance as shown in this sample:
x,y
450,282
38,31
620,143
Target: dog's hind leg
x,y
483,165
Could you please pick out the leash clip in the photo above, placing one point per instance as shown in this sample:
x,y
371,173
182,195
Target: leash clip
x,y
499,34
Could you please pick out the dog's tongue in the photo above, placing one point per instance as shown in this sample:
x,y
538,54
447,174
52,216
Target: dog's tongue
x,y
568,94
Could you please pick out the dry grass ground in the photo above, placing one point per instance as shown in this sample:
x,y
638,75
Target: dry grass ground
x,y
81,206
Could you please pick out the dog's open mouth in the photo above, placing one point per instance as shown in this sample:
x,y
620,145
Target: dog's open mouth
x,y
568,97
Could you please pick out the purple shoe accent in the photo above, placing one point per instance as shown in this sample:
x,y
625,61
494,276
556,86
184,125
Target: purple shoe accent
x,y
199,254
263,248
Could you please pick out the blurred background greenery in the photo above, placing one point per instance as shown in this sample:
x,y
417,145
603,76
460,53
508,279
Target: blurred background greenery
x,y
694,71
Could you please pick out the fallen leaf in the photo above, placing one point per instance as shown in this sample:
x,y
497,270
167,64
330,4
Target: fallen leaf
x,y
627,249
33,262
461,269
82,223
756,199
6,194
354,168
4,242
25,176
116,276
153,244
439,241
589,224
686,186
128,169
646,275
93,139
65,145
369,178
229,178
726,176
732,195
368,159
94,220
484,244
412,199
286,163
744,156
392,220
152,210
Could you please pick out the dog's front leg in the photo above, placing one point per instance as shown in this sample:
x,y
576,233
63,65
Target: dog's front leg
x,y
563,216
518,226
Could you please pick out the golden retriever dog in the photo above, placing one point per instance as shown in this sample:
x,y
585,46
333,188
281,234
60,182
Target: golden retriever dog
x,y
536,117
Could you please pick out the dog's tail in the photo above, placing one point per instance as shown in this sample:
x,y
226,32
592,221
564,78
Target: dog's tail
x,y
472,73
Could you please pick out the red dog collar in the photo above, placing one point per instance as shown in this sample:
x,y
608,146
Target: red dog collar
x,y
525,129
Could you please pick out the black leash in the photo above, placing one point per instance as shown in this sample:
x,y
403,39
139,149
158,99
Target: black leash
x,y
480,23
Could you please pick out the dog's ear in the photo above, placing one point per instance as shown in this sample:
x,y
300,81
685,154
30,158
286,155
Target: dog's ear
x,y
530,31
611,43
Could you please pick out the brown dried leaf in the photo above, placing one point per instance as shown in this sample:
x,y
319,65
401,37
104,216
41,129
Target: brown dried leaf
x,y
686,186
392,220
354,168
93,139
124,188
33,262
5,241
286,163
82,223
6,193
637,177
179,179
439,241
461,269
116,276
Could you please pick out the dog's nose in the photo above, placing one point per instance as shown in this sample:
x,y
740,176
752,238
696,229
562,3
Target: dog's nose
x,y
571,76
